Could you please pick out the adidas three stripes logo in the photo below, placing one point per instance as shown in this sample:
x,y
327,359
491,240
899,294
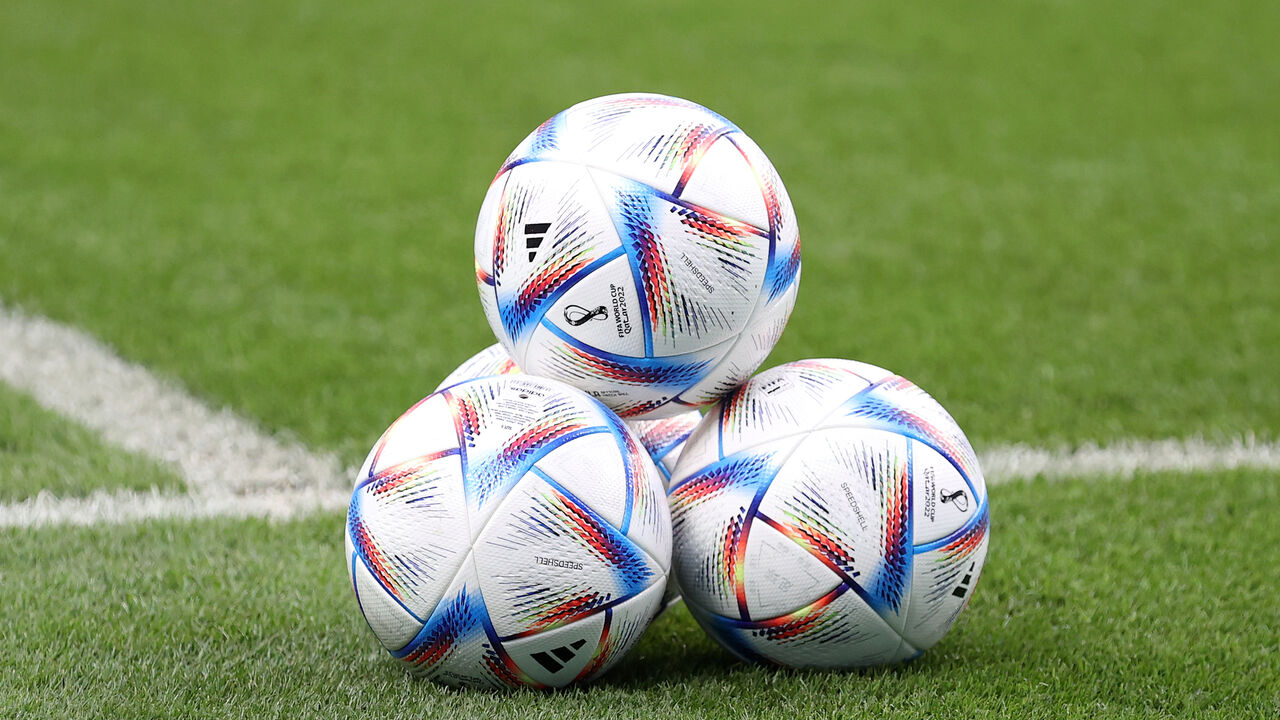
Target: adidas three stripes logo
x,y
534,234
563,655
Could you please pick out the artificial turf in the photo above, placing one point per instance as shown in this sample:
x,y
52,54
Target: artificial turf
x,y
1145,598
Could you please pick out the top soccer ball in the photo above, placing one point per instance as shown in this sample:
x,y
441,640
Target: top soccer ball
x,y
641,248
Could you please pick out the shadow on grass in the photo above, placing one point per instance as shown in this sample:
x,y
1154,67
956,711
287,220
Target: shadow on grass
x,y
676,650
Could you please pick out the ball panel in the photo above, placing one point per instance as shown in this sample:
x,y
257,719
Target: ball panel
x,y
624,624
492,360
602,310
458,646
648,518
844,497
838,630
408,524
784,260
550,228
391,623
788,399
652,139
507,424
699,273
699,450
558,656
489,228
748,352
633,387
664,438
898,405
711,512
723,181
942,501
780,575
638,507
547,559
945,575
424,430
578,466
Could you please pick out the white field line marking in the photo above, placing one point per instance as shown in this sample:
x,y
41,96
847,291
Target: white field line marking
x,y
230,466
125,506
1125,458
233,469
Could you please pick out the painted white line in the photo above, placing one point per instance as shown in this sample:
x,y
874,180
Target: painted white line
x,y
1125,458
216,452
104,507
234,469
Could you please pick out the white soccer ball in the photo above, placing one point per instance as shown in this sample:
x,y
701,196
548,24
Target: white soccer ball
x,y
508,531
662,438
828,514
641,248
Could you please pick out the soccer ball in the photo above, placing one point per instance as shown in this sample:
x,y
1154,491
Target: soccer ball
x,y
492,360
828,514
508,531
662,438
641,248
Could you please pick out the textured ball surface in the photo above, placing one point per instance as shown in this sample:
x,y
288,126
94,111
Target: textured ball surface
x,y
508,531
641,248
828,514
662,438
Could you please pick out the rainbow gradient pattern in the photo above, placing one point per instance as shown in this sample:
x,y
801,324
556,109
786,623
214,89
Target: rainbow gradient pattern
x,y
889,597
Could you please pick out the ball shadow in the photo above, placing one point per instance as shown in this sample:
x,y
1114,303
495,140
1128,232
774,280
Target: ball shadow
x,y
676,650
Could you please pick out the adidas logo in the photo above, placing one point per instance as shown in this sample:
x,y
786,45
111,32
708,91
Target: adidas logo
x,y
534,234
563,655
963,588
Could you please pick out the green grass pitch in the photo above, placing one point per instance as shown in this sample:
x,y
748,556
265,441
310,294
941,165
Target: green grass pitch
x,y
40,451
1077,615
1059,218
